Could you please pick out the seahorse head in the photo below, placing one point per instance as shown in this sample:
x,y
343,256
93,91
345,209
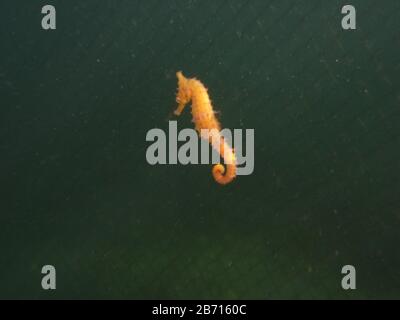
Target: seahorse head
x,y
184,94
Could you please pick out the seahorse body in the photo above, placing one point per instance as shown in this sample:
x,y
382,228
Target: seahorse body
x,y
204,118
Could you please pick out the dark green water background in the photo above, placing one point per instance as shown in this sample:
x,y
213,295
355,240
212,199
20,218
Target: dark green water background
x,y
77,192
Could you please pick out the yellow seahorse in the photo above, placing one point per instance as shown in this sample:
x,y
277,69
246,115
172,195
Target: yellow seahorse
x,y
192,90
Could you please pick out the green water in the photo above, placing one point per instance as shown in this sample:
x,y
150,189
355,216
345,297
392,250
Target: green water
x,y
77,192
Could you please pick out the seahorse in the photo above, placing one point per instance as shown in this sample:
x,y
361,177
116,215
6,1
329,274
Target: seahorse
x,y
192,90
